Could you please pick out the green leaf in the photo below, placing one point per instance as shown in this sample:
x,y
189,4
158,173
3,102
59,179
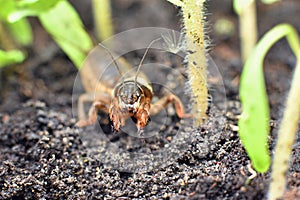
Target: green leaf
x,y
31,8
66,28
254,121
20,29
11,57
21,32
7,6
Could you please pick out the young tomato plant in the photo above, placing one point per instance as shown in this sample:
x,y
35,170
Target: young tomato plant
x,y
13,35
102,19
59,19
11,57
254,121
246,10
192,11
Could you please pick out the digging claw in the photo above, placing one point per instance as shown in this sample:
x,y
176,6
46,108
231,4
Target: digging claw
x,y
116,126
114,130
140,131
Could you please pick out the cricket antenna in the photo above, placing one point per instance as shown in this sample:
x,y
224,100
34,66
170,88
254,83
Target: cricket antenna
x,y
112,57
139,67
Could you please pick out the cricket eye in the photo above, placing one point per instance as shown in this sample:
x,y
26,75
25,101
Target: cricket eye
x,y
135,97
124,98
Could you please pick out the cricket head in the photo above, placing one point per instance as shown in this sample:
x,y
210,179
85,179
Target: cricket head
x,y
130,96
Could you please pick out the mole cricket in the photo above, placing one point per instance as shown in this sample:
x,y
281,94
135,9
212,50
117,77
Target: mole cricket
x,y
119,96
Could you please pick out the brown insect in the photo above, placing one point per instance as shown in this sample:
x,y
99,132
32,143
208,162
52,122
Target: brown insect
x,y
121,96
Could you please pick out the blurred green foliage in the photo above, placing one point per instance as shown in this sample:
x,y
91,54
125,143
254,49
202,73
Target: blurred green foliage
x,y
59,19
19,29
66,28
11,57
254,121
103,19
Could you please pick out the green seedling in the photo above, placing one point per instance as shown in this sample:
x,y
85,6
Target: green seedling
x,y
254,121
66,28
58,17
31,8
192,11
13,35
62,22
289,124
248,29
11,57
102,18
19,30
246,10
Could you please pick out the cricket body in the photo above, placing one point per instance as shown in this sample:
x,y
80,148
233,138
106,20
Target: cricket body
x,y
121,92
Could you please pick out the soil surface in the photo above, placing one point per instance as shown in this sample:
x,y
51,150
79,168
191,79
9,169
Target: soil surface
x,y
44,156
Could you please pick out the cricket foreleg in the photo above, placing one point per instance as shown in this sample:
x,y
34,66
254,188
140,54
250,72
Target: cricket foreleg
x,y
142,115
114,115
100,102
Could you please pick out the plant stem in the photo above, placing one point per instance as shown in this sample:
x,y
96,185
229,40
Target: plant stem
x,y
246,10
6,42
248,30
193,22
102,18
288,128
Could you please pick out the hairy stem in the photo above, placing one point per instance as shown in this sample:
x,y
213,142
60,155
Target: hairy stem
x,y
289,125
193,22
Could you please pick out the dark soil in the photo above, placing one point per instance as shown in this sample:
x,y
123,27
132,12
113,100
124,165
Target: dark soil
x,y
44,156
